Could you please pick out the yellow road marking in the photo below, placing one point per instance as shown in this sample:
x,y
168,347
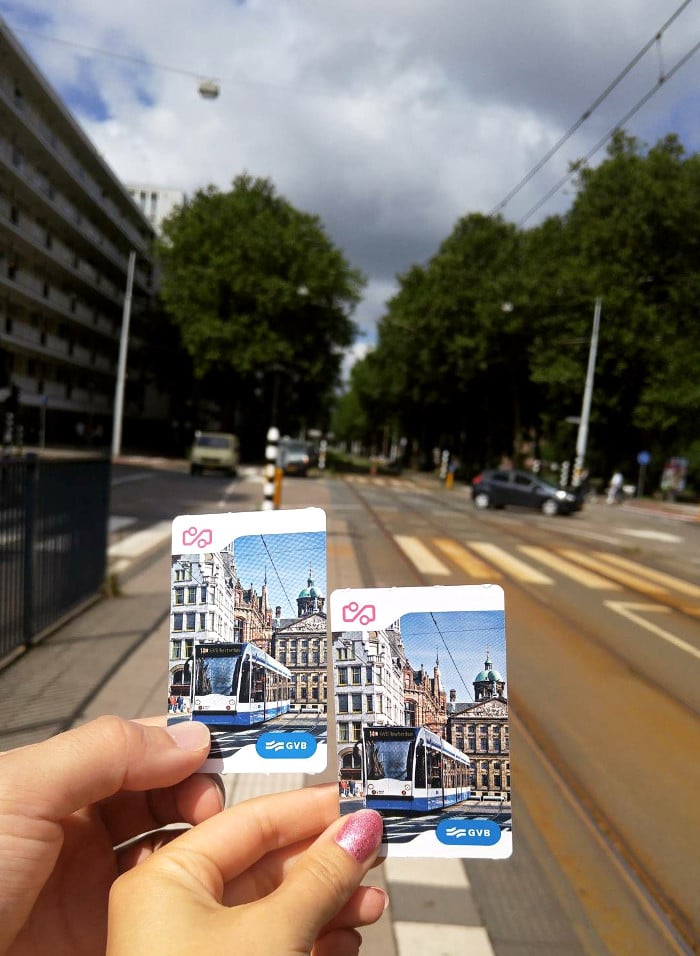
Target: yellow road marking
x,y
468,562
554,561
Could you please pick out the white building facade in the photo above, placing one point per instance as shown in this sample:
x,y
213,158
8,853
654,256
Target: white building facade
x,y
156,202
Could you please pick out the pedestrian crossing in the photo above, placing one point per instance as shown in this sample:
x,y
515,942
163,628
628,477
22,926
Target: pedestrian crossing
x,y
484,562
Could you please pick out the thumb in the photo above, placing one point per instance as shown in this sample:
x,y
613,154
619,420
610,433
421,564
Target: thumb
x,y
327,875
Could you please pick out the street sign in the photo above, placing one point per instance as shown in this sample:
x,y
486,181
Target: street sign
x,y
643,458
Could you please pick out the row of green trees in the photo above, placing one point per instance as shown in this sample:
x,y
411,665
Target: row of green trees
x,y
484,349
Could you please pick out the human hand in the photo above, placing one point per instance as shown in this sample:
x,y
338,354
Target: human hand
x,y
258,880
66,802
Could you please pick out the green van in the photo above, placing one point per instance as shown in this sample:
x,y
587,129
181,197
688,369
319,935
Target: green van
x,y
214,451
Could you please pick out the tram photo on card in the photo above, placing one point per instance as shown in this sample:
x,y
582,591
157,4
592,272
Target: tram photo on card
x,y
422,716
248,638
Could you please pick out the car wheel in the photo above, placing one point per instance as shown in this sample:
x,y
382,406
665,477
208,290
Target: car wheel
x,y
550,507
482,501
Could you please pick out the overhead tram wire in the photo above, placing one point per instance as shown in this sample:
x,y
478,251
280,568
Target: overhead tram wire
x,y
591,109
447,648
128,58
603,140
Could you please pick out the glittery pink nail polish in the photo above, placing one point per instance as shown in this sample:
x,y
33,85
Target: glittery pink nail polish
x,y
361,834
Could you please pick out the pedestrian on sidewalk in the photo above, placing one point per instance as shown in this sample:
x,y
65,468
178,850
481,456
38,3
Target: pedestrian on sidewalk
x,y
68,802
615,488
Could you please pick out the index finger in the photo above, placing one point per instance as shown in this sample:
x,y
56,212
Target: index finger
x,y
58,776
235,839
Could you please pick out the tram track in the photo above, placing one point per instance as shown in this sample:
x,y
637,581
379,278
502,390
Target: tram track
x,y
664,927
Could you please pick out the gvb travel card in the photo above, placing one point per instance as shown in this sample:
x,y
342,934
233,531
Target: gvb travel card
x,y
422,716
248,637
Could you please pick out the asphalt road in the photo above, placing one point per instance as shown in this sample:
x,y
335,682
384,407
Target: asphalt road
x,y
603,630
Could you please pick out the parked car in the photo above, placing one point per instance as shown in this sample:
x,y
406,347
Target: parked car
x,y
293,457
497,488
215,451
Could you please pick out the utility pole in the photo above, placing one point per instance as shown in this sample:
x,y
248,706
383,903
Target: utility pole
x,y
121,367
582,437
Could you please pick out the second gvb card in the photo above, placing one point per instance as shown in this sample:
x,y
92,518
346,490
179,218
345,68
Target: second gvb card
x,y
422,716
248,637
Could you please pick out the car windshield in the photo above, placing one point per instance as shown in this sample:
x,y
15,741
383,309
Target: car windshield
x,y
294,448
213,441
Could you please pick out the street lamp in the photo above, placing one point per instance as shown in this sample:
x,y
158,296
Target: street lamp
x,y
582,437
121,366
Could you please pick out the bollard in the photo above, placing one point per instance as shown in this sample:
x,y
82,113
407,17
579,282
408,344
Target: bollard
x,y
322,448
277,493
450,479
273,437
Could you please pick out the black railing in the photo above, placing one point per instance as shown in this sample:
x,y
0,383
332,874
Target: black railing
x,y
53,541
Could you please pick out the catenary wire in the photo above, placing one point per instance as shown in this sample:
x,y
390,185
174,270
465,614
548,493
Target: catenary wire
x,y
656,39
603,140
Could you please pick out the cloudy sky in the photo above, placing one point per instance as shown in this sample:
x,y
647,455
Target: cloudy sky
x,y
389,119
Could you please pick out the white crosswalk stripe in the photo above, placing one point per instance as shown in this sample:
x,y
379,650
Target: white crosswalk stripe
x,y
511,565
420,555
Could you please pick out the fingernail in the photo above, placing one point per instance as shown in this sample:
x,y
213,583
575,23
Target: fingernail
x,y
361,834
190,735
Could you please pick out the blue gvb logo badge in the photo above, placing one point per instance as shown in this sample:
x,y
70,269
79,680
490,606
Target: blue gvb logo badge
x,y
468,832
283,746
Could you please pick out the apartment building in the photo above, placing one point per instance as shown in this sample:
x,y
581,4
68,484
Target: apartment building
x,y
67,227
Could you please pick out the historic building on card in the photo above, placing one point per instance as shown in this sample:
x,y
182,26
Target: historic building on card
x,y
480,729
425,699
300,644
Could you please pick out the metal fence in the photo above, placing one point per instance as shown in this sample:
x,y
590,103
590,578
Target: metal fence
x,y
53,541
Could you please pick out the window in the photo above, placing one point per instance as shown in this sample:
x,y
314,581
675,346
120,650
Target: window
x,y
370,704
190,618
342,703
202,621
175,649
356,730
177,622
179,595
189,647
192,595
344,732
368,672
356,703
203,594
356,674
342,675
238,630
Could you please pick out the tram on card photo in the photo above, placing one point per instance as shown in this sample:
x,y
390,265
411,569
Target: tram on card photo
x,y
412,770
237,685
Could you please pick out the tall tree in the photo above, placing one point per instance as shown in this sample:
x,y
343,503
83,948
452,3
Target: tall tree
x,y
263,302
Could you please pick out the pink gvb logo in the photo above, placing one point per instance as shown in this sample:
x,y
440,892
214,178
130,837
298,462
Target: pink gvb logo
x,y
200,538
353,612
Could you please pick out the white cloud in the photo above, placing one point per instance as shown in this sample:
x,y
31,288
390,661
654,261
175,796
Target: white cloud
x,y
388,120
